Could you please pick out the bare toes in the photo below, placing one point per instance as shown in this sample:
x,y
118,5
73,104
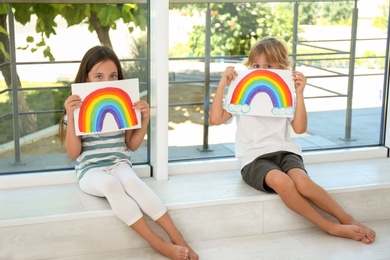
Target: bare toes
x,y
365,240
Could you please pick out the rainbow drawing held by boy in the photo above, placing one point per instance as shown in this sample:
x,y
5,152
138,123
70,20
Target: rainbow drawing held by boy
x,y
103,165
271,161
261,92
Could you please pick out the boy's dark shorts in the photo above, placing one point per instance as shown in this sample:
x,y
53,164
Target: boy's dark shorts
x,y
254,173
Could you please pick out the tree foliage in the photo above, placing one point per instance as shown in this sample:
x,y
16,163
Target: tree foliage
x,y
236,26
100,18
382,21
309,12
338,13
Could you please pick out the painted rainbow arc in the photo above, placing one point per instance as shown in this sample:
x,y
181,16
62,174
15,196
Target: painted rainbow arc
x,y
101,102
262,81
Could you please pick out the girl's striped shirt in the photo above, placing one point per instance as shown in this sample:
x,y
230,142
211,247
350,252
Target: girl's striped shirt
x,y
102,151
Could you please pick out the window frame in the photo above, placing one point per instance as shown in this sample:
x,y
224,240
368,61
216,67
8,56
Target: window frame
x,y
159,166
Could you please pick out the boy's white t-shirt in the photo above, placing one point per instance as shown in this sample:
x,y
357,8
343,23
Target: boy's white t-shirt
x,y
259,135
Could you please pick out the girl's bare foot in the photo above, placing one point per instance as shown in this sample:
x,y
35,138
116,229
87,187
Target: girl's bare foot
x,y
191,253
174,252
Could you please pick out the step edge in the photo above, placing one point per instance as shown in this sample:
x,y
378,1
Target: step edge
x,y
173,206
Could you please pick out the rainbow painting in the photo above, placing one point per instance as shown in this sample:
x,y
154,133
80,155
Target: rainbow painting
x,y
276,87
106,107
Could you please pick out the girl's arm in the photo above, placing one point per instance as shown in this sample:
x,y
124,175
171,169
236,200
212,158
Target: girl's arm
x,y
299,123
72,142
135,137
218,115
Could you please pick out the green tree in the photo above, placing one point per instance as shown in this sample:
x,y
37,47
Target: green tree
x,y
338,13
381,21
309,13
236,26
28,123
100,18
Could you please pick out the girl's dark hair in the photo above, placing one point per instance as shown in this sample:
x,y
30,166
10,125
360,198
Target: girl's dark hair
x,y
92,57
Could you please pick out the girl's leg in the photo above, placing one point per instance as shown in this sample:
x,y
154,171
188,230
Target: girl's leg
x,y
99,183
174,234
316,194
151,205
285,187
137,189
158,243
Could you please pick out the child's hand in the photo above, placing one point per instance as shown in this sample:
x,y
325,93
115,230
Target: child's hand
x,y
228,76
143,106
299,82
71,103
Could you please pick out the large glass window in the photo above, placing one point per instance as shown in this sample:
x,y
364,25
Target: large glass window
x,y
339,46
49,40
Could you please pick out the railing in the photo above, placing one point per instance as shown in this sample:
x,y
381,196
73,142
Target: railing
x,y
208,80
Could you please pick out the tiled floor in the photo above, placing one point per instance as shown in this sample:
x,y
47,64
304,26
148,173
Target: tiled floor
x,y
308,244
304,244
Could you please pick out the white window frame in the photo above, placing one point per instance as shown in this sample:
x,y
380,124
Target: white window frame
x,y
159,99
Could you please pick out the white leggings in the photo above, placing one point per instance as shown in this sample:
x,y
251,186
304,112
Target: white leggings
x,y
125,191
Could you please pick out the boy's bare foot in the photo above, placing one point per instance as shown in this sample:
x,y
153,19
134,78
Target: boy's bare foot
x,y
348,231
369,233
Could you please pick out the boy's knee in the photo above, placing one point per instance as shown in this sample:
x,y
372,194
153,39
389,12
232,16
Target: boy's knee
x,y
279,182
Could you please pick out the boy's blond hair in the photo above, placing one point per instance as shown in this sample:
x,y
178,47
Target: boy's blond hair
x,y
274,51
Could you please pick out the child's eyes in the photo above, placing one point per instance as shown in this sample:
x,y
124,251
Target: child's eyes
x,y
257,66
112,76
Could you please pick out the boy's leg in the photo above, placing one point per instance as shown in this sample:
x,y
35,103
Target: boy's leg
x,y
158,243
174,234
316,194
285,187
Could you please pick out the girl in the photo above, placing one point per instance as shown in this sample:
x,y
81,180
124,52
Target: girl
x,y
103,165
271,162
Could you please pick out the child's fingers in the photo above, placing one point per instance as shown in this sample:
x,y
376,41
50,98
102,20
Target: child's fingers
x,y
72,102
230,73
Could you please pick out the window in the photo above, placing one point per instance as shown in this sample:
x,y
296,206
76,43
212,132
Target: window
x,y
179,53
346,70
46,65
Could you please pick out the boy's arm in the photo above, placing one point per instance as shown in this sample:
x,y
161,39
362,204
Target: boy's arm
x,y
218,115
